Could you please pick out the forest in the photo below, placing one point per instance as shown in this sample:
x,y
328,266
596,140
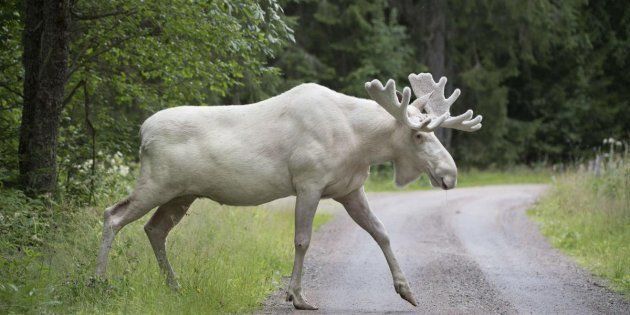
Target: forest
x,y
550,77
78,78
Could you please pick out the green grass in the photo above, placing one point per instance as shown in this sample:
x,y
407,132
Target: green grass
x,y
384,181
588,218
228,259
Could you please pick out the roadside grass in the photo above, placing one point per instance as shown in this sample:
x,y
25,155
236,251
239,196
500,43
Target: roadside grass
x,y
588,218
384,180
228,260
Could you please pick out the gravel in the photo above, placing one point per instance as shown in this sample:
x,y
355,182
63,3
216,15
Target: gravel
x,y
470,250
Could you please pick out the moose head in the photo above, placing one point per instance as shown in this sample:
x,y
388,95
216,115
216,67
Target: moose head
x,y
427,112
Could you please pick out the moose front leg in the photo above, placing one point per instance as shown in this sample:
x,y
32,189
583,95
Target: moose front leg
x,y
357,206
305,207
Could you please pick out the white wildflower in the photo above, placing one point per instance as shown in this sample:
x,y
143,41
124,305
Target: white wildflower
x,y
123,170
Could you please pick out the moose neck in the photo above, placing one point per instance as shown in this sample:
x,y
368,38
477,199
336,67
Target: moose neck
x,y
380,134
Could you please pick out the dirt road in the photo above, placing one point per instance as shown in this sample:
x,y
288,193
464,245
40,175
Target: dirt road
x,y
472,250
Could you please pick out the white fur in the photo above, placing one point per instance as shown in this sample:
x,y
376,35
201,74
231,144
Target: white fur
x,y
309,137
310,142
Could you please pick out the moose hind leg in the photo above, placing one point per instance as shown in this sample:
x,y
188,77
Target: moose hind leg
x,y
109,232
141,201
157,229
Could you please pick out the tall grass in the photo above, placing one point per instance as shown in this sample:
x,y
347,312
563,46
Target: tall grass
x,y
588,217
228,259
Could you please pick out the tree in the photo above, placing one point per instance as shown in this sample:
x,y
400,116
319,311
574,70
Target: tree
x,y
11,77
45,63
548,76
490,45
341,43
93,70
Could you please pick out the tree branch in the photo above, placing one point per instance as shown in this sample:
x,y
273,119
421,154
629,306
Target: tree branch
x,y
92,131
11,107
113,44
10,89
9,65
74,90
89,43
84,17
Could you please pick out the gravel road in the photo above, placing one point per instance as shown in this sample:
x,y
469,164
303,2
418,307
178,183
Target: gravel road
x,y
470,250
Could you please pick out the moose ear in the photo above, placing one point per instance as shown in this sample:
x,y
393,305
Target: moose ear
x,y
399,96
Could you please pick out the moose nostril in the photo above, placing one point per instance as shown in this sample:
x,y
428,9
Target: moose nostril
x,y
448,182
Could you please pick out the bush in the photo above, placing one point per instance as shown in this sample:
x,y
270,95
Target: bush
x,y
32,230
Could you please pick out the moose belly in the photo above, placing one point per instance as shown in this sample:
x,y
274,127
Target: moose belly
x,y
241,186
243,195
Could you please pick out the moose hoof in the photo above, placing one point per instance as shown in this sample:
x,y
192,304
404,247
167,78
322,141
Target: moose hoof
x,y
403,289
174,285
299,302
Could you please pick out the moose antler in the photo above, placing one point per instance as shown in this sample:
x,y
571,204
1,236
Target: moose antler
x,y
423,84
386,97
430,98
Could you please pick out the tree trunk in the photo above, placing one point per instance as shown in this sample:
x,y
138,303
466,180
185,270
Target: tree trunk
x,y
45,62
426,23
435,22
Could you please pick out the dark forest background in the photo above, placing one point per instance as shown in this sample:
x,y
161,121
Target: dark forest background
x,y
78,77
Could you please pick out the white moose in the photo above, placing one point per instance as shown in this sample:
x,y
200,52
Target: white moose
x,y
310,142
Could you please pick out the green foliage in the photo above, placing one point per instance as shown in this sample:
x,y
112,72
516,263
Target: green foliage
x,y
572,88
11,73
33,231
588,217
163,54
172,52
23,221
128,60
495,46
93,182
549,77
343,43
